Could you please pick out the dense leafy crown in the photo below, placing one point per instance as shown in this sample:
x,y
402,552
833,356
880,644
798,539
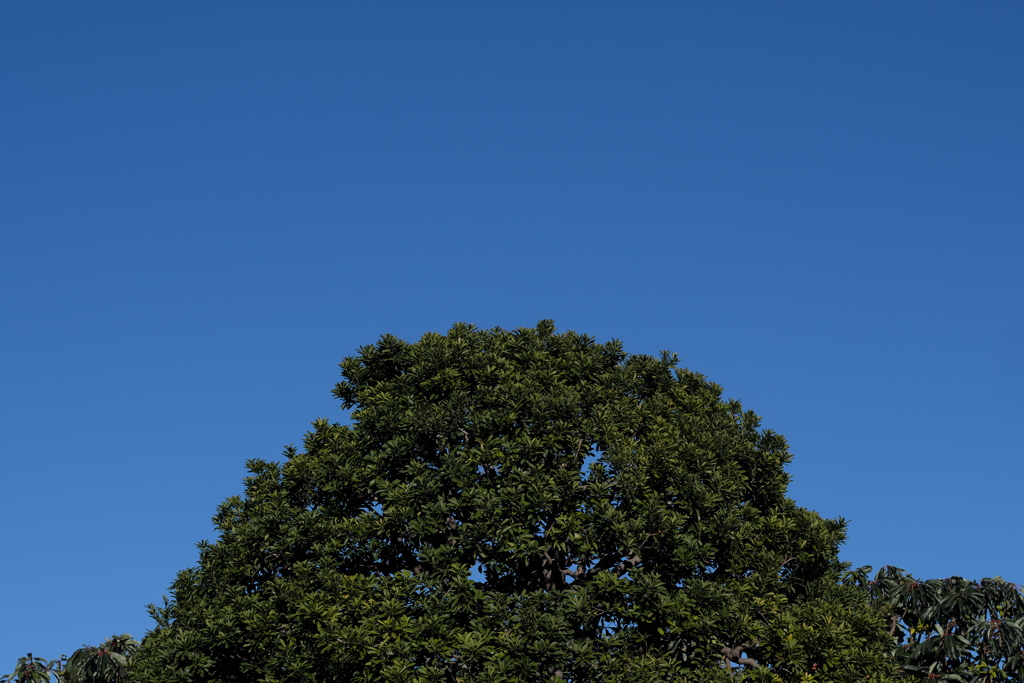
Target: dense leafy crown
x,y
520,506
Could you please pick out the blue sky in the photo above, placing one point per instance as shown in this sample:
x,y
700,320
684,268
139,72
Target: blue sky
x,y
205,207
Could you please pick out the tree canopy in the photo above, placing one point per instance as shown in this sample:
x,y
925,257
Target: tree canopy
x,y
520,505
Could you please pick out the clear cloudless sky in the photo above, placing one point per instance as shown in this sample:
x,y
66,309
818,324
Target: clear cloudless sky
x,y
205,206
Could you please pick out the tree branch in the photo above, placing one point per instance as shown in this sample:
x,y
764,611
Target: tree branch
x,y
612,562
735,653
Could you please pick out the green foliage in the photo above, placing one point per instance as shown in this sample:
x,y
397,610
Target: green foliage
x,y
951,630
109,662
31,669
520,506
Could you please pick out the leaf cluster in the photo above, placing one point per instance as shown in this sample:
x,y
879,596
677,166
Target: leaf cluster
x,y
109,662
950,630
31,669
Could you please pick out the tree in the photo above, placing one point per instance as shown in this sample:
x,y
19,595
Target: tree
x,y
109,662
31,669
520,506
950,630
